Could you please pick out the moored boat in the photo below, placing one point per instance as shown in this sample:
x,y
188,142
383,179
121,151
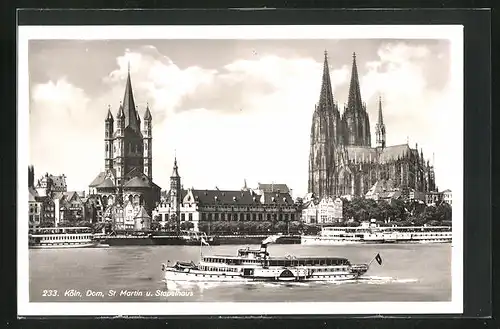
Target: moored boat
x,y
61,238
356,235
258,265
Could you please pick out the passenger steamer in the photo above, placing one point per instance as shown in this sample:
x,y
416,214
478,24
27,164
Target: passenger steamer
x,y
355,235
61,237
258,265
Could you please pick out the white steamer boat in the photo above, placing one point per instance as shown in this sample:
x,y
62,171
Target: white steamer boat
x,y
356,235
258,265
61,237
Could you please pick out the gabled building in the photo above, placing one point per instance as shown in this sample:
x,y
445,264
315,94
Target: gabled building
x,y
322,211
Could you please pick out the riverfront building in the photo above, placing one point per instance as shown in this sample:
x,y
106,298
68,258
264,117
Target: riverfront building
x,y
266,203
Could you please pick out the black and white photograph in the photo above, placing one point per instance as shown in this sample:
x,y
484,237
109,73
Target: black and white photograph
x,y
240,170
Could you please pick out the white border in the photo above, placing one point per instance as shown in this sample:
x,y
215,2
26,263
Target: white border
x,y
25,33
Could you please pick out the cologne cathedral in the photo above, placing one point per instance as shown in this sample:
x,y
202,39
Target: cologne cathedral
x,y
128,173
342,160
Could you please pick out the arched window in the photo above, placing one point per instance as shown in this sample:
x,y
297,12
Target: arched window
x,y
130,198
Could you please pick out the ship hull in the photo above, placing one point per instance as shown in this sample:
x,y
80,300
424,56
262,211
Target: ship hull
x,y
183,277
64,246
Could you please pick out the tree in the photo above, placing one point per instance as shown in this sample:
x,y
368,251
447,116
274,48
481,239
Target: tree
x,y
187,225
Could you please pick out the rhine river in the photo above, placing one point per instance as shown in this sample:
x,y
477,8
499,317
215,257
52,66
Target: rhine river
x,y
409,272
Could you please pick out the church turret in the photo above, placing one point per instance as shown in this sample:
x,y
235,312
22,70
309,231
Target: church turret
x,y
119,146
147,141
108,140
380,127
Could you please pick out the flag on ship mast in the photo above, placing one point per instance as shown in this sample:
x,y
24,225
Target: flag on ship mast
x,y
378,259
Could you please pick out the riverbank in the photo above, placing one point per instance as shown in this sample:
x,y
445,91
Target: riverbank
x,y
166,240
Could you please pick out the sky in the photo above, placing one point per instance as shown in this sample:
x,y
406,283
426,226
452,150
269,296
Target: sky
x,y
231,110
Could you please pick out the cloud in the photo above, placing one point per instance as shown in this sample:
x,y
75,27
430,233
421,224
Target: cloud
x,y
266,138
413,108
270,96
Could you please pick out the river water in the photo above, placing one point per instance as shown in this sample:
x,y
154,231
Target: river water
x,y
409,272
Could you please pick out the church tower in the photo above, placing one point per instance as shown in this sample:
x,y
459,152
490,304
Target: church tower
x,y
355,118
380,127
108,140
147,140
119,164
176,193
325,134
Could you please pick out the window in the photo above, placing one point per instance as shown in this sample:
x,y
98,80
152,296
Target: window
x,y
190,217
183,217
292,217
260,216
254,217
203,216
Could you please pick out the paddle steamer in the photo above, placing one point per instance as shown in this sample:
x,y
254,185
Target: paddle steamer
x,y
258,265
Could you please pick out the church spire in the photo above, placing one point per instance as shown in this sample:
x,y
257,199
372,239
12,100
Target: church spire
x,y
129,104
380,116
326,95
354,101
380,126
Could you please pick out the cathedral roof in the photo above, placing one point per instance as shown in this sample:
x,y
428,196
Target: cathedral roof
x,y
389,153
393,152
361,153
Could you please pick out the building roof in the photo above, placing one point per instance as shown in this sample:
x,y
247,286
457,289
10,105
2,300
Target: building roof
x,y
58,181
142,213
107,183
381,186
137,182
274,188
32,194
367,154
98,180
